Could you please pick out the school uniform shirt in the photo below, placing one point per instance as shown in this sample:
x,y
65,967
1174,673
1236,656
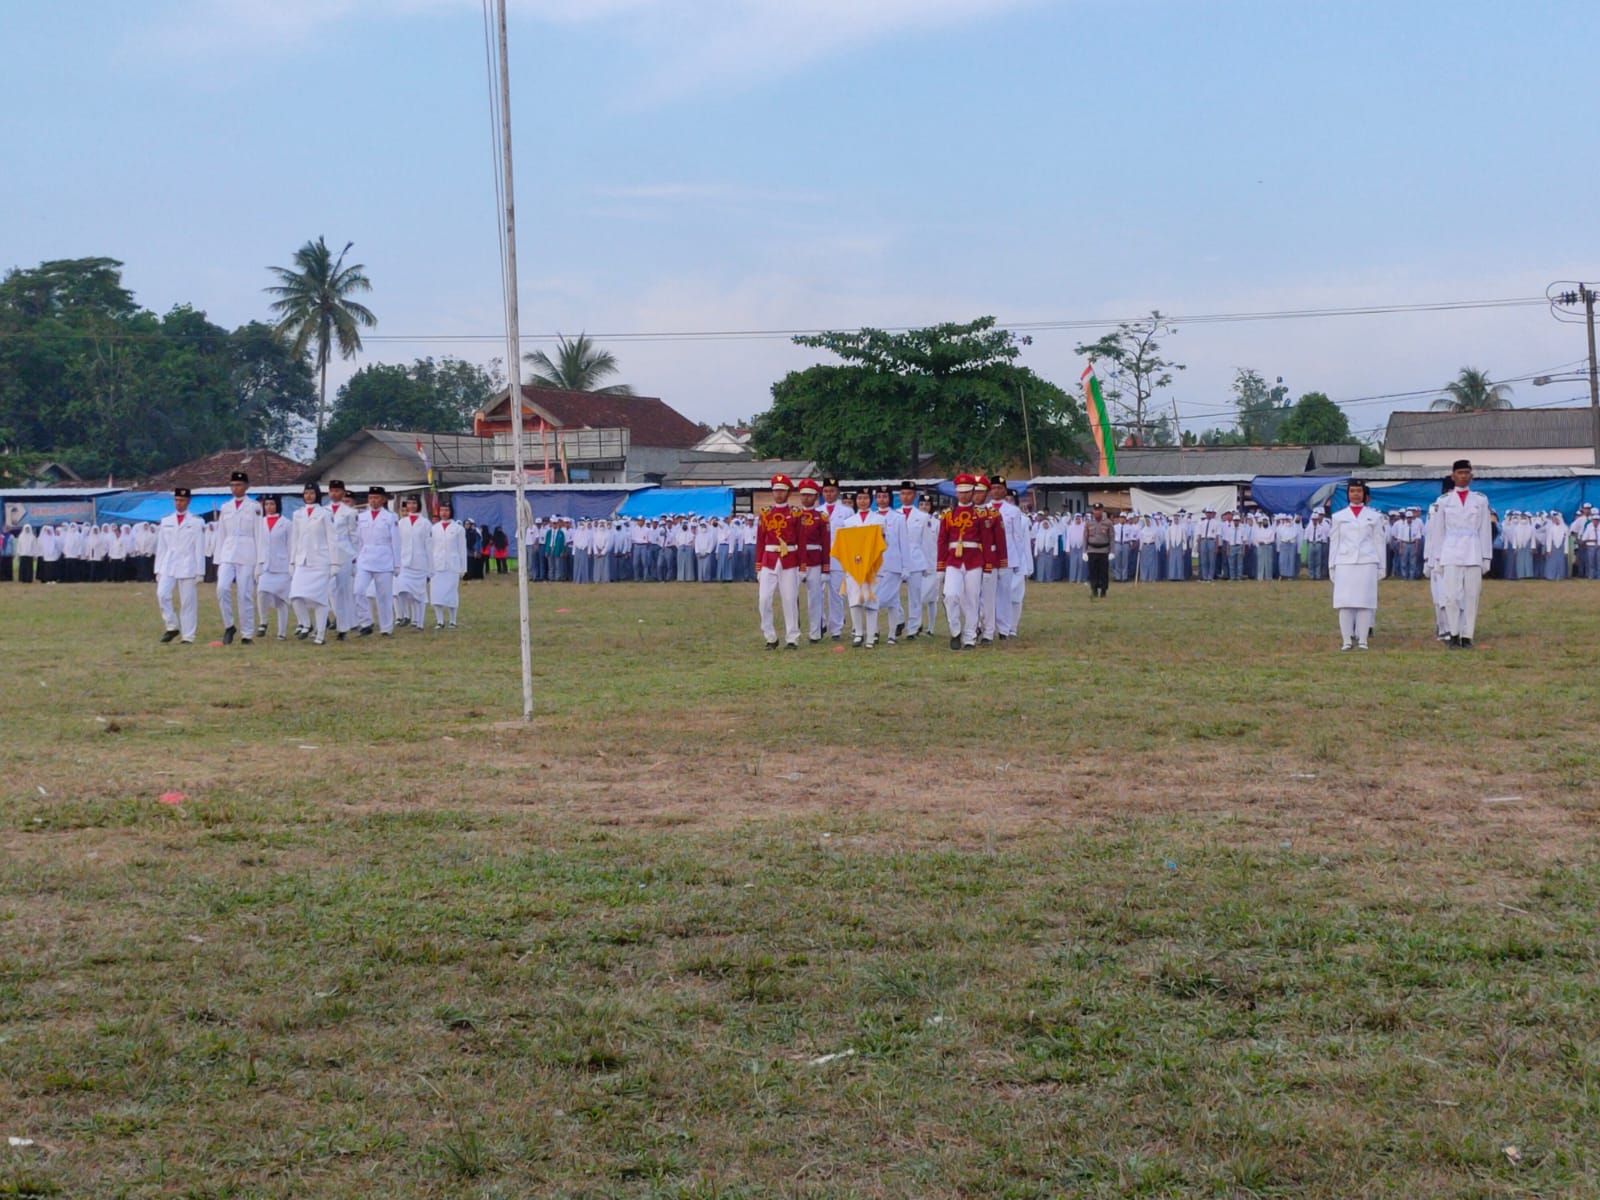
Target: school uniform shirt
x,y
377,541
1459,533
181,547
238,522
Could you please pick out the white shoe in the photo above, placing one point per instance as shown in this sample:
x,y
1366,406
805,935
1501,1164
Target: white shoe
x,y
1361,646
319,641
1346,646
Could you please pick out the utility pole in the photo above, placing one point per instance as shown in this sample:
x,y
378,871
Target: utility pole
x,y
1586,295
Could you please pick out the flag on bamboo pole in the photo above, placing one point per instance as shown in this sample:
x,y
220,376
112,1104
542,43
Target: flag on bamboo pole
x,y
1099,423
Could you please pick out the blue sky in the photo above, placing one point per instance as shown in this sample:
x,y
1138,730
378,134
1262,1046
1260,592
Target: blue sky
x,y
756,165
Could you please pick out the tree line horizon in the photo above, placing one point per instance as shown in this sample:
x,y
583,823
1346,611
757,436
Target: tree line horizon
x,y
90,379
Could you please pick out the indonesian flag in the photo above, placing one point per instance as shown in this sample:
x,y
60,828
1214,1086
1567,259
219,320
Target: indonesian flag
x,y
1099,423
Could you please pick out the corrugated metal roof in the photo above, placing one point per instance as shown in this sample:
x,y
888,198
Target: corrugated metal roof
x,y
1213,460
1498,429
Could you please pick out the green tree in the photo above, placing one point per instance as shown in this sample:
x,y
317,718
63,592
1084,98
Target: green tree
x,y
951,390
273,388
579,366
1471,391
1315,420
429,396
314,308
1135,370
1261,408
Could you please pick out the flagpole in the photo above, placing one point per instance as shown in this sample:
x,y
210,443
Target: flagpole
x,y
514,366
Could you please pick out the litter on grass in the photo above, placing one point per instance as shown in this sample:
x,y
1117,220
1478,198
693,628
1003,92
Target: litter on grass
x,y
828,1058
172,797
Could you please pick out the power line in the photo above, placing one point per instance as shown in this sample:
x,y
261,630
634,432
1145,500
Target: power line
x,y
1060,325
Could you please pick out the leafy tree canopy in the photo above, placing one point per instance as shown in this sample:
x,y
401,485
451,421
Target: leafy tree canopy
x,y
1315,420
437,396
92,380
951,390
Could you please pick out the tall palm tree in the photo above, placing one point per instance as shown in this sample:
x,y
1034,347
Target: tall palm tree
x,y
1471,391
314,306
579,366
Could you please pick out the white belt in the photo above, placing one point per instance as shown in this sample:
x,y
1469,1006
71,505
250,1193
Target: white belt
x,y
780,549
969,545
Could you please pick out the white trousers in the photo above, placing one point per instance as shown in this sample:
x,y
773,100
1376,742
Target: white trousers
x,y
963,587
186,617
313,616
835,598
382,585
344,597
816,589
888,602
783,582
916,591
1462,586
932,591
1008,600
244,576
988,597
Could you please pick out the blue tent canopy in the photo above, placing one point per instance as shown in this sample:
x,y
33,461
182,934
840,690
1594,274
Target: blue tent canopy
x,y
947,488
687,501
499,507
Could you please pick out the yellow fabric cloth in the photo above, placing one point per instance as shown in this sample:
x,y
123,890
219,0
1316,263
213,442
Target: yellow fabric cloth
x,y
859,550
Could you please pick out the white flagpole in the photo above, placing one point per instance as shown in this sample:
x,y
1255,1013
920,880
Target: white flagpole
x,y
514,367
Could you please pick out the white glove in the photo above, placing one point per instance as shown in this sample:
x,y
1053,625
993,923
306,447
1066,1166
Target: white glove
x,y
1085,556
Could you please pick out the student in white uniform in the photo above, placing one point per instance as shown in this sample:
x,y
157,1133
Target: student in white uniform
x,y
449,549
1357,559
180,566
1461,542
315,561
345,515
887,586
917,565
416,564
238,522
377,560
1012,580
273,566
839,514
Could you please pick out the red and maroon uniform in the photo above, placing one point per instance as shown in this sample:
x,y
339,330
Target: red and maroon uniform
x,y
815,538
778,538
959,544
991,532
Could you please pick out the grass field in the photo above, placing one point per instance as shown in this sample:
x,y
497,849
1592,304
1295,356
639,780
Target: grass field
x,y
1168,899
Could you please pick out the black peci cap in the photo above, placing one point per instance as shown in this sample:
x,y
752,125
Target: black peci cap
x,y
181,491
238,477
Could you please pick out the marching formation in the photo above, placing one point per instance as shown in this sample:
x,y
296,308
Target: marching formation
x,y
333,564
888,566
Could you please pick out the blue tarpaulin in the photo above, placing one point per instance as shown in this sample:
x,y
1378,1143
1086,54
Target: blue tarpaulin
x,y
497,507
684,501
1296,494
129,508
947,488
1524,495
1299,493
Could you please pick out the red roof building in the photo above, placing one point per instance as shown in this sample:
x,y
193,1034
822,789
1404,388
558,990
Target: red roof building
x,y
264,467
650,422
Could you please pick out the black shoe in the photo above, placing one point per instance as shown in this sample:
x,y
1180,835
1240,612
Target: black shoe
x,y
858,641
261,631
772,645
791,645
402,622
838,637
366,631
340,635
955,643
814,640
1466,643
244,641
388,633
168,636
988,641
1454,643
227,636
301,634
899,629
